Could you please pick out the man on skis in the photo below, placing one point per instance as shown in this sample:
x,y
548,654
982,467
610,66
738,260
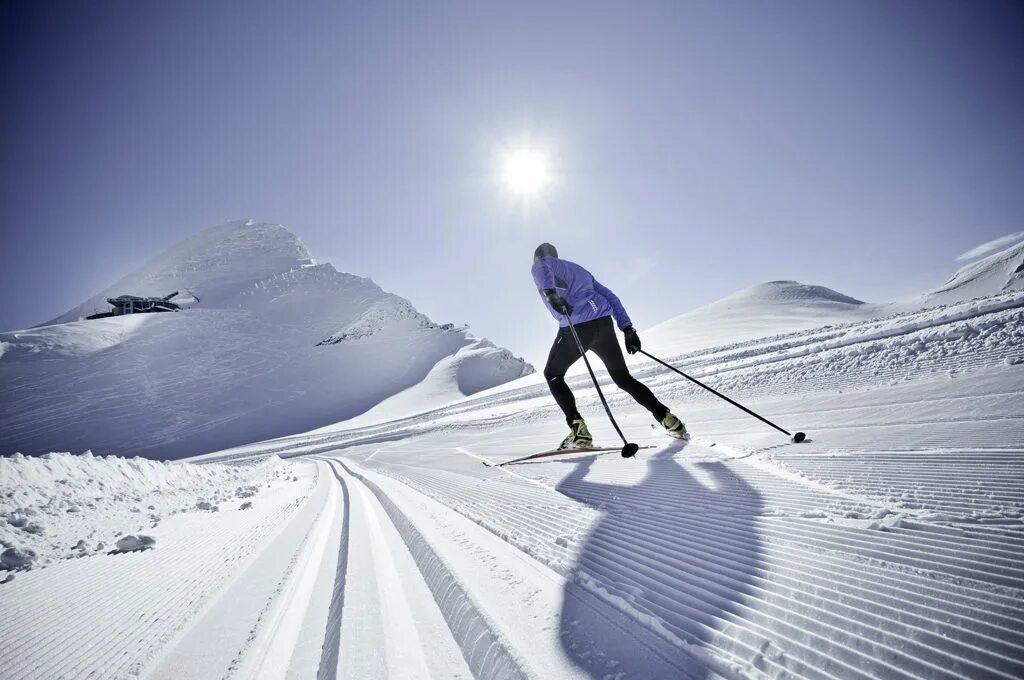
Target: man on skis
x,y
572,294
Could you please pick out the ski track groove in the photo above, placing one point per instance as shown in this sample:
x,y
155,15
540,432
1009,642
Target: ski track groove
x,y
328,668
482,648
789,568
841,601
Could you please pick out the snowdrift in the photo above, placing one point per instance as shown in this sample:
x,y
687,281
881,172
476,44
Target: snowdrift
x,y
998,273
61,506
766,309
274,343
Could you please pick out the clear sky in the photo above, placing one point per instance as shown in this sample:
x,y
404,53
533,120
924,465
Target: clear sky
x,y
698,148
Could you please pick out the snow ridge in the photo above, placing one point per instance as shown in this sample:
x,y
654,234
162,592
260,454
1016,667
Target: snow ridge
x,y
61,506
377,317
481,647
1000,272
272,343
791,291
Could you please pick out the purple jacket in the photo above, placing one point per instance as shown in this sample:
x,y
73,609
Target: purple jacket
x,y
588,298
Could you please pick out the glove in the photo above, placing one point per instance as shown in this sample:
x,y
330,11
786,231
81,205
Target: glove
x,y
632,340
560,305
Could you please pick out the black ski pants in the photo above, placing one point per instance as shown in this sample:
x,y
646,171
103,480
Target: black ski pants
x,y
597,336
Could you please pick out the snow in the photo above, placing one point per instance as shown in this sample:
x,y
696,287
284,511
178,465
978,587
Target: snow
x,y
61,506
888,545
472,369
133,543
999,243
276,344
780,307
765,309
15,558
999,272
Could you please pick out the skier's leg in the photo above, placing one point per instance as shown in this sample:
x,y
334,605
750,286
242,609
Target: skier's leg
x,y
606,346
563,354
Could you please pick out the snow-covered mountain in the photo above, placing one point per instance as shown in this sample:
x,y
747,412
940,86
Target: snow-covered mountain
x,y
270,343
887,545
1000,272
765,309
780,307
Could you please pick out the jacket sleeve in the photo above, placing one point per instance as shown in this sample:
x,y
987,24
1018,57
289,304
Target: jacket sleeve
x,y
542,275
618,311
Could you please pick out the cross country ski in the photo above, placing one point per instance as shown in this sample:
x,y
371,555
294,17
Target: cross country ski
x,y
560,452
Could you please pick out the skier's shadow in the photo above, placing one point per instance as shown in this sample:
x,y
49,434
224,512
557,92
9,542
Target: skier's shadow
x,y
679,549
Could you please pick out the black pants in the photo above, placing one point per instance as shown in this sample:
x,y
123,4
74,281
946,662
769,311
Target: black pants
x,y
599,337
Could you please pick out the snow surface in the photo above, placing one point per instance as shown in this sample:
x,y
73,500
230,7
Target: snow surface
x,y
765,309
999,243
62,506
888,545
999,272
779,307
276,344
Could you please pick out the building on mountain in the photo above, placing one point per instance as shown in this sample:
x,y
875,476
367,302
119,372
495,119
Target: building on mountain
x,y
133,304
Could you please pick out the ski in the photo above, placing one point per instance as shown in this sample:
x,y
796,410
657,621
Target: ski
x,y
559,452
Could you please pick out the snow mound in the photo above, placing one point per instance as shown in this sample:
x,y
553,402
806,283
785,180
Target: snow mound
x,y
133,543
771,308
1000,272
788,292
782,307
473,369
990,246
273,344
60,506
17,559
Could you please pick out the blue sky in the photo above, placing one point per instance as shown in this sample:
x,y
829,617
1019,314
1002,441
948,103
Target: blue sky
x,y
699,147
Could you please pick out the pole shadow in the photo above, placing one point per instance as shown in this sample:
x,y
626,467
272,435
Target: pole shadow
x,y
672,559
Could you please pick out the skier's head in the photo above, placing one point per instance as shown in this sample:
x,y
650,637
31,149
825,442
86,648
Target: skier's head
x,y
544,250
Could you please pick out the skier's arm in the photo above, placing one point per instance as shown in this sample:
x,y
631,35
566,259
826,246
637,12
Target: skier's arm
x,y
618,311
542,275
545,281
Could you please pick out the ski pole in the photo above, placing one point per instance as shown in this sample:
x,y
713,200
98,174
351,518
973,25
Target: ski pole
x,y
795,438
628,450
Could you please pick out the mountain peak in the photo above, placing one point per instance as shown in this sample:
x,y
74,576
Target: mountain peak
x,y
271,344
214,265
790,292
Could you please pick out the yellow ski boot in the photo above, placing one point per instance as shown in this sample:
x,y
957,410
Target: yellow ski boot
x,y
673,426
578,438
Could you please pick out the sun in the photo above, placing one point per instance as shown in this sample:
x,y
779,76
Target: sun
x,y
525,171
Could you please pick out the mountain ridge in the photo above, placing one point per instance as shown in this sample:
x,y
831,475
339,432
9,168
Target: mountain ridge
x,y
249,359
776,307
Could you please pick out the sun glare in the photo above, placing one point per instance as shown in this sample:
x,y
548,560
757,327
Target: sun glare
x,y
525,172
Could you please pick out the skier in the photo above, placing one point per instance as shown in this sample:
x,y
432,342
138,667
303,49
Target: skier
x,y
571,293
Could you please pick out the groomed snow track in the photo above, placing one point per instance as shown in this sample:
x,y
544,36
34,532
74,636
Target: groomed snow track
x,y
480,646
890,545
718,555
492,630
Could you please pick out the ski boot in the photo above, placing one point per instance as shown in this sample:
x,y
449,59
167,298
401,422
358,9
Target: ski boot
x,y
673,426
578,438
